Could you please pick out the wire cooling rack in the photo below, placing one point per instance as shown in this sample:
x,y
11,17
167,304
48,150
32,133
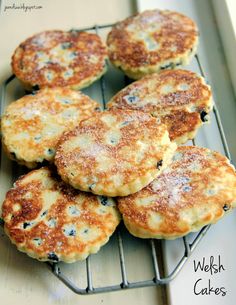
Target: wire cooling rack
x,y
155,248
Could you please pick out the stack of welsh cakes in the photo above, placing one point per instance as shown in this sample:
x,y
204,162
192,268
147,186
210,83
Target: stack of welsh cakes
x,y
95,167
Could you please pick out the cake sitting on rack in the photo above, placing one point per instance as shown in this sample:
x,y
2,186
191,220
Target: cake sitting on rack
x,y
58,58
179,98
198,188
114,153
51,221
39,119
151,41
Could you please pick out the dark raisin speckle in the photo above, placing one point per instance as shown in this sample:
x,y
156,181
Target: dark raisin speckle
x,y
64,101
22,46
72,232
73,210
26,224
167,66
37,138
35,87
159,164
103,200
37,241
92,186
125,123
44,213
225,207
203,115
51,151
132,99
13,156
53,257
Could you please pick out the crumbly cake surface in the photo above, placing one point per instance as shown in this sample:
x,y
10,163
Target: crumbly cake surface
x,y
59,58
32,125
180,98
151,41
51,221
114,153
196,189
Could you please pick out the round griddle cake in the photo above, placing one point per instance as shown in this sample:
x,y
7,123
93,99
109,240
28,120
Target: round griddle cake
x,y
32,125
197,189
151,41
51,221
180,98
114,153
60,58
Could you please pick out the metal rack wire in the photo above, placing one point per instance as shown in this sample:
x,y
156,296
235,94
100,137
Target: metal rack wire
x,y
159,278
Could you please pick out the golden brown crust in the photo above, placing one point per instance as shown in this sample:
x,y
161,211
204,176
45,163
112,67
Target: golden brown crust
x,y
178,97
59,58
49,220
151,41
38,120
114,153
197,188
